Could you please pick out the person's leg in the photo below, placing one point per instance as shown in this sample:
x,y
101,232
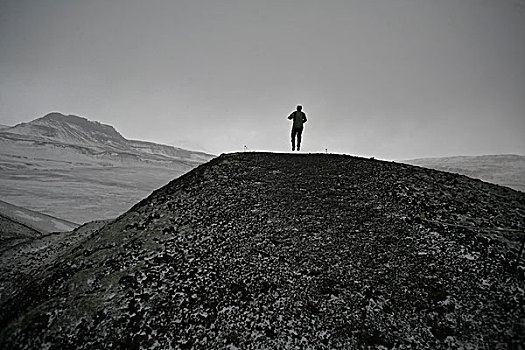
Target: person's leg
x,y
293,138
299,136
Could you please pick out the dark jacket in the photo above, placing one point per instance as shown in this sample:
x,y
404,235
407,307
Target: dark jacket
x,y
299,118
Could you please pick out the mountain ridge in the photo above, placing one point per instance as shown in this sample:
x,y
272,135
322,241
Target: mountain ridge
x,y
68,128
258,250
40,222
502,169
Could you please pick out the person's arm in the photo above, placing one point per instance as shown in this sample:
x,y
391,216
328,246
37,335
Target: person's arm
x,y
304,117
291,115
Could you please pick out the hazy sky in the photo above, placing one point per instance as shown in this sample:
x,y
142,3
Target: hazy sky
x,y
394,79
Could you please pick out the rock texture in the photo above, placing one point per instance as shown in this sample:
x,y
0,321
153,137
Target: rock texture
x,y
259,250
21,262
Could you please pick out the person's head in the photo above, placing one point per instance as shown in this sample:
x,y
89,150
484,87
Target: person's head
x,y
299,107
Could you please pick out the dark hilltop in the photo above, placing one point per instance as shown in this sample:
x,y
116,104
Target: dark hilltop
x,y
260,250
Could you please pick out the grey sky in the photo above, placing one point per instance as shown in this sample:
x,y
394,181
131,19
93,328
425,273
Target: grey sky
x,y
393,79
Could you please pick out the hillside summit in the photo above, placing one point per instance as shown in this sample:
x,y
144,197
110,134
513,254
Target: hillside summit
x,y
259,250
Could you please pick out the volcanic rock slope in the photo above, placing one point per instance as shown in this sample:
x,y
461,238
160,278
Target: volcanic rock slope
x,y
258,250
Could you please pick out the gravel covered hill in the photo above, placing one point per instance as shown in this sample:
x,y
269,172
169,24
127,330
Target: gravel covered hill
x,y
258,250
21,262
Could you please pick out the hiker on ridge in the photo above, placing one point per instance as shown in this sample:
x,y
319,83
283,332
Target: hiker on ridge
x,y
299,118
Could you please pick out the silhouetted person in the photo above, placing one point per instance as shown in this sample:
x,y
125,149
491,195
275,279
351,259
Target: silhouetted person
x,y
299,118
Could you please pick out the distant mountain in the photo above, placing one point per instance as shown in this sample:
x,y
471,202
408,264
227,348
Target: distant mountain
x,y
81,170
13,233
283,251
505,169
70,129
40,222
3,126
98,139
19,225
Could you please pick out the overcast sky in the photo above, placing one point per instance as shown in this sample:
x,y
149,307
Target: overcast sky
x,y
393,79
